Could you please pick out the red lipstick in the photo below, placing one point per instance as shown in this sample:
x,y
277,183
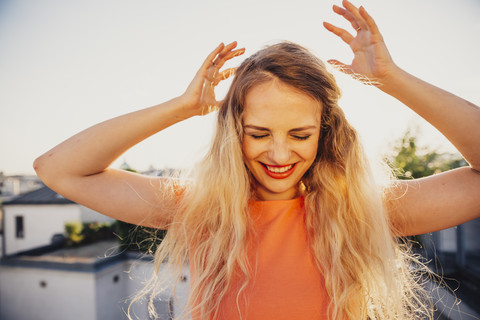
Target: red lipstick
x,y
279,175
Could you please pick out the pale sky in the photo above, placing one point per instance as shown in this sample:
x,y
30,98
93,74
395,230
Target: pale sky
x,y
66,65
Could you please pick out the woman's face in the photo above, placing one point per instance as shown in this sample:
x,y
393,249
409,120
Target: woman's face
x,y
281,131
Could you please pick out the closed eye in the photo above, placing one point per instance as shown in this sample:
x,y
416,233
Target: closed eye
x,y
301,137
258,136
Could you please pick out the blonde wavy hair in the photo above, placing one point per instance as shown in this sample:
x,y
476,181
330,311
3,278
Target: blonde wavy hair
x,y
368,272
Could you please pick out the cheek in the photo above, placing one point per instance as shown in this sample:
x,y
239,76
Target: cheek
x,y
250,150
309,152
245,150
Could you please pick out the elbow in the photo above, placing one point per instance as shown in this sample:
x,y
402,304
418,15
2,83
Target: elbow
x,y
37,164
41,167
475,169
474,166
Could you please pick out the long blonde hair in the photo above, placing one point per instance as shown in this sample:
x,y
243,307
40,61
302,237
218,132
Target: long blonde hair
x,y
367,271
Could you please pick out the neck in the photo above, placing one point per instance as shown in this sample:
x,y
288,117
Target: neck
x,y
265,195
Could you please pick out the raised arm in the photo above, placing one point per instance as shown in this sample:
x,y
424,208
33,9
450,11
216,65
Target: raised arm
x,y
436,202
78,168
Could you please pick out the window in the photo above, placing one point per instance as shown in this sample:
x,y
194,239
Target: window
x,y
470,240
19,231
164,308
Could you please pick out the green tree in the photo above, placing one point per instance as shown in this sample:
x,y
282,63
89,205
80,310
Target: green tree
x,y
409,160
138,238
79,233
134,237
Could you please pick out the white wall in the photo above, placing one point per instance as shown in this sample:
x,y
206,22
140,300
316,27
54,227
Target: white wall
x,y
72,295
448,240
40,223
472,238
66,295
140,272
110,292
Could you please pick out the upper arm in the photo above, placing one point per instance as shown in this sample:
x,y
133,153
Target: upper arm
x,y
434,203
126,196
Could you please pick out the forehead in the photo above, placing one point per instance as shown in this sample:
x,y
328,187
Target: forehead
x,y
275,104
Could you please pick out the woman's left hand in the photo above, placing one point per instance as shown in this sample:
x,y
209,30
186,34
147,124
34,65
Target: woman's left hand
x,y
418,206
372,62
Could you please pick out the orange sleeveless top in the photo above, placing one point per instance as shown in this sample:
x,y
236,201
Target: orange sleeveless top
x,y
285,283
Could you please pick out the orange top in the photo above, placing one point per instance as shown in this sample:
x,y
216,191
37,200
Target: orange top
x,y
285,282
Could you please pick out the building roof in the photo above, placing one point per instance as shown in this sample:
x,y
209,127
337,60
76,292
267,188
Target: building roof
x,y
89,258
44,195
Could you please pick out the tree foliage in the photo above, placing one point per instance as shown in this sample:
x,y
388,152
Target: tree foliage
x,y
131,237
134,237
409,160
138,238
79,233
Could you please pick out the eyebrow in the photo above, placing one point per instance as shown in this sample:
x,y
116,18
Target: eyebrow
x,y
249,126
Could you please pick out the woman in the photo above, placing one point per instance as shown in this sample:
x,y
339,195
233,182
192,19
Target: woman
x,y
283,218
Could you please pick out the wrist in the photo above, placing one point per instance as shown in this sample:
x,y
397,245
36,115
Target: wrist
x,y
187,107
391,78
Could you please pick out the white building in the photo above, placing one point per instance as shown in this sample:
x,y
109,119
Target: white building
x,y
32,219
92,282
12,186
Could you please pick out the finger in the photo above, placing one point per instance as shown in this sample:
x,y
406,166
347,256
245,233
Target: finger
x,y
224,75
208,62
230,46
224,51
341,66
347,15
229,55
210,58
235,53
210,106
216,59
202,71
371,23
343,34
357,16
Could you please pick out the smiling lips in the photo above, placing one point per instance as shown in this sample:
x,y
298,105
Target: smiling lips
x,y
278,172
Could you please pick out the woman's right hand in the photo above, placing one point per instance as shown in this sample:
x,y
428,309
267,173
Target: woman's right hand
x,y
200,94
79,168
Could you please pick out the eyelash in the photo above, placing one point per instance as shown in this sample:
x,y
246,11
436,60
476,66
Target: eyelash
x,y
254,136
301,137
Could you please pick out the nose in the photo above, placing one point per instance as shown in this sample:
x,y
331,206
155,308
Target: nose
x,y
279,152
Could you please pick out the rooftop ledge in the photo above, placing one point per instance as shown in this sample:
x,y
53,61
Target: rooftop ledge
x,y
88,258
